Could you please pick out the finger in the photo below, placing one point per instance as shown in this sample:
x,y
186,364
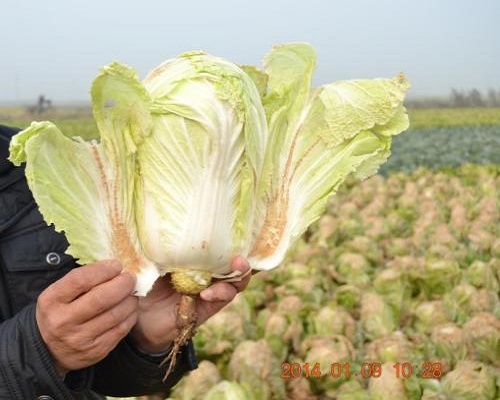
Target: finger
x,y
100,346
220,291
237,264
80,280
241,264
118,332
206,308
111,318
102,297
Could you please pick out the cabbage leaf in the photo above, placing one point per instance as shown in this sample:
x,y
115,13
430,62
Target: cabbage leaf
x,y
317,137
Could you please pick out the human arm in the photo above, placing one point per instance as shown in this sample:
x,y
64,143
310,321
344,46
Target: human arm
x,y
75,322
84,317
34,356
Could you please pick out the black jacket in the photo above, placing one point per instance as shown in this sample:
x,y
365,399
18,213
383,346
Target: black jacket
x,y
31,258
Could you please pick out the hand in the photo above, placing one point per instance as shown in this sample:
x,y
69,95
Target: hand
x,y
84,315
155,329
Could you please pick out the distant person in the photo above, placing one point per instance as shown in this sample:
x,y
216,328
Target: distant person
x,y
43,104
40,107
76,332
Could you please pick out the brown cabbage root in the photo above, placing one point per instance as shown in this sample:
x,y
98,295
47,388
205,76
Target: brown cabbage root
x,y
189,285
186,326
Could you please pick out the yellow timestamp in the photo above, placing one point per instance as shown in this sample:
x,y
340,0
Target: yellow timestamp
x,y
366,370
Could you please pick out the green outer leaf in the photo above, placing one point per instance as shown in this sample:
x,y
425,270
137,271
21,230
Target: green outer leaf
x,y
73,201
317,138
121,108
86,188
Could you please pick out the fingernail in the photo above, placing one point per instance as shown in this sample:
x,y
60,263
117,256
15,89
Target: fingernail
x,y
207,295
237,262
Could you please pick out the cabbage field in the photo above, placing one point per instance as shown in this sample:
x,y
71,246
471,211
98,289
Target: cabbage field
x,y
393,294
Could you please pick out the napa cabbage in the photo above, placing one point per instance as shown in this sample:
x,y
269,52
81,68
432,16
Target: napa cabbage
x,y
204,160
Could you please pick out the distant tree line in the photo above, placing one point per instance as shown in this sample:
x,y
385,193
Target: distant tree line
x,y
459,99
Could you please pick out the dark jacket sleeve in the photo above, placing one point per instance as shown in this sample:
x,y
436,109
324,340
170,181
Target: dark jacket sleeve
x,y
27,370
26,367
127,372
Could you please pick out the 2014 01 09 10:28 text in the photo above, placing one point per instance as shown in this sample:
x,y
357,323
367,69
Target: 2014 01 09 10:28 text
x,y
366,370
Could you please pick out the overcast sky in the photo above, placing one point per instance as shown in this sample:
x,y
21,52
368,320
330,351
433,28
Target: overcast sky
x,y
56,47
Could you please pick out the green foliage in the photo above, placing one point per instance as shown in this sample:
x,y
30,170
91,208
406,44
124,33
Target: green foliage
x,y
86,128
456,117
444,147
